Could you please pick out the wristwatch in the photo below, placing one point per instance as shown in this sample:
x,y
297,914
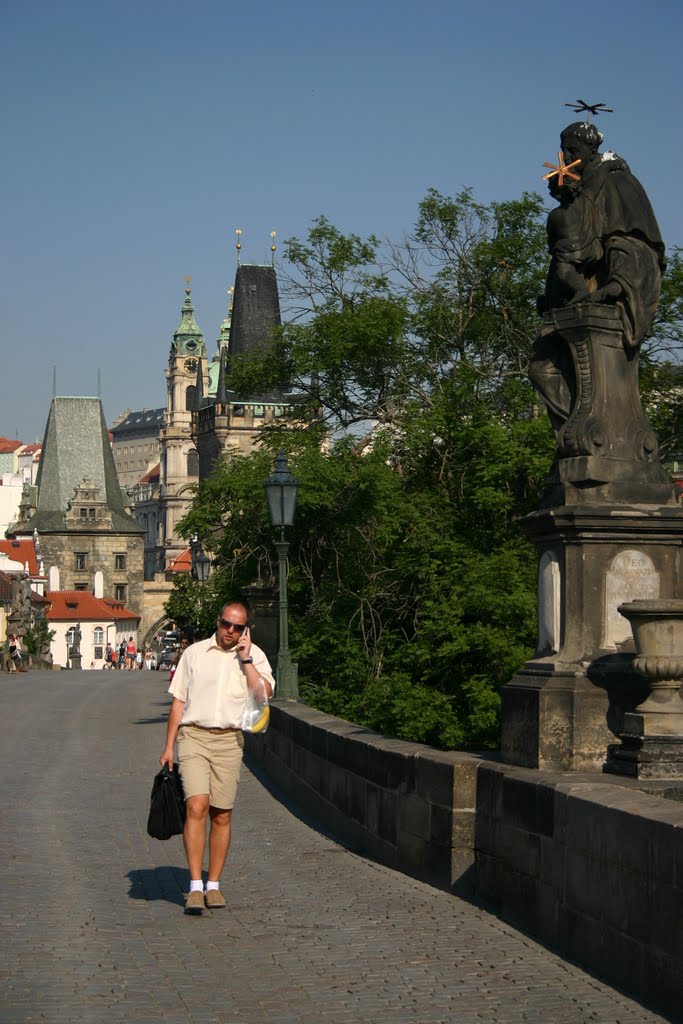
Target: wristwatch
x,y
247,661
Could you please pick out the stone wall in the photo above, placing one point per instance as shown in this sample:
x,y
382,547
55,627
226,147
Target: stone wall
x,y
100,550
588,864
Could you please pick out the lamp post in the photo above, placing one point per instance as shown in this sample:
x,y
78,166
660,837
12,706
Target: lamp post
x,y
281,490
201,563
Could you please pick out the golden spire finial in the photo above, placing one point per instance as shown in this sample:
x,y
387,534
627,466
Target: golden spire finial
x,y
188,280
238,232
273,247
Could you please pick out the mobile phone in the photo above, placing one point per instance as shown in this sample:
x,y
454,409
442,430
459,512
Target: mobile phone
x,y
246,627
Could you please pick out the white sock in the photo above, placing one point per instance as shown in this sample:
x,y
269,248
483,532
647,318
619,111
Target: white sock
x,y
196,885
212,885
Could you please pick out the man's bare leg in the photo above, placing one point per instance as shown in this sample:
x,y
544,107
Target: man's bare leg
x,y
194,833
219,841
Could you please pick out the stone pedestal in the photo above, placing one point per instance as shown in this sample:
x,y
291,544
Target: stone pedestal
x,y
565,707
75,661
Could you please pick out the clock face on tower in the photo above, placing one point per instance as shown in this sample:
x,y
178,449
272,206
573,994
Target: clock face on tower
x,y
191,365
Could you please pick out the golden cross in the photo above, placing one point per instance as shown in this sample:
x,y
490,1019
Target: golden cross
x,y
562,170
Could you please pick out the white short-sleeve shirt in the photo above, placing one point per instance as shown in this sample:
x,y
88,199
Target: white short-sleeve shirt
x,y
213,685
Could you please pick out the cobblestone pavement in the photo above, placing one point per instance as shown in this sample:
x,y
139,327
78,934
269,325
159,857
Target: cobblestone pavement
x,y
93,928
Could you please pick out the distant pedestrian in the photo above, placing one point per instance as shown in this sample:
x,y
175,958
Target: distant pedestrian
x,y
14,653
149,660
122,655
138,660
130,654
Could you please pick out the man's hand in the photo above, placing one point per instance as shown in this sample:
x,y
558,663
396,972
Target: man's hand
x,y
167,758
244,645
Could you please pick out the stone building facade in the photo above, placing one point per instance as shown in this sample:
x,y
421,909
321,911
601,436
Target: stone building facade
x,y
136,443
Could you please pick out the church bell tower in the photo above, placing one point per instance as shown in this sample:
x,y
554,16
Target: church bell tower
x,y
179,460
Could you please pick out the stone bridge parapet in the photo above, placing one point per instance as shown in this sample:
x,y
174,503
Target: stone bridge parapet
x,y
589,864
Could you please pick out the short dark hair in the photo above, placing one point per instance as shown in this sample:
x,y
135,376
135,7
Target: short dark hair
x,y
236,602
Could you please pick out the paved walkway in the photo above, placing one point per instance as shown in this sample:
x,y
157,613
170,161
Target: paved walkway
x,y
93,928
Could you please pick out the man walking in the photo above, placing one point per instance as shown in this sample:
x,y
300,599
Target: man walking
x,y
209,691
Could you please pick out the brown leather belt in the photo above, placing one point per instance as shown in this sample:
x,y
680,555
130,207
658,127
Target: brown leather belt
x,y
206,728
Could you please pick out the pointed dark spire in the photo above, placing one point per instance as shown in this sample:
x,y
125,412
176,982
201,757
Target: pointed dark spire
x,y
221,389
199,387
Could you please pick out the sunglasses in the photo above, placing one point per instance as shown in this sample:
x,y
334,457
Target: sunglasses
x,y
226,624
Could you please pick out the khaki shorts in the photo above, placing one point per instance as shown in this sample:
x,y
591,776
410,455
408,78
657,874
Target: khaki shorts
x,y
210,763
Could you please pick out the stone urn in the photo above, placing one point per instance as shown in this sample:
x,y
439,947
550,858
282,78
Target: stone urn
x,y
652,736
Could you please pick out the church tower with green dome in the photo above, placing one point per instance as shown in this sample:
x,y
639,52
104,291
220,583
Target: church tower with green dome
x,y
179,468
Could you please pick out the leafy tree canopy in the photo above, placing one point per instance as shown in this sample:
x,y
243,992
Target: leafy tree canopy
x,y
412,590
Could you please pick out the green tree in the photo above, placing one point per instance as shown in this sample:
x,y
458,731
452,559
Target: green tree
x,y
412,590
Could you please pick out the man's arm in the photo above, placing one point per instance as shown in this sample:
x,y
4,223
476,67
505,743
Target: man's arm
x,y
174,716
256,682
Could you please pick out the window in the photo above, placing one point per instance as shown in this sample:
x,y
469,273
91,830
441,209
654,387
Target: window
x,y
238,410
81,586
190,397
81,558
119,562
84,513
98,635
258,411
120,592
91,513
98,654
192,464
70,636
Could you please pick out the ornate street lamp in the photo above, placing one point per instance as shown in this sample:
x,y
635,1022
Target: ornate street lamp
x,y
281,490
201,563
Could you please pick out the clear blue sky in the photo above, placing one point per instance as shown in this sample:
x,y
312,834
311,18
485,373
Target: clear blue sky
x,y
139,134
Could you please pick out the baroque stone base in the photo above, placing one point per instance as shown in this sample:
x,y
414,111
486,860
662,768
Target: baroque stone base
x,y
553,716
566,705
652,757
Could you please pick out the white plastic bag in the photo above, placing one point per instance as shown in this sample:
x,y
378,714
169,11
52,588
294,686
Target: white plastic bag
x,y
256,714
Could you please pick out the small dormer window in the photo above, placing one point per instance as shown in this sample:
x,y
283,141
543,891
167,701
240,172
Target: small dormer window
x,y
83,513
91,513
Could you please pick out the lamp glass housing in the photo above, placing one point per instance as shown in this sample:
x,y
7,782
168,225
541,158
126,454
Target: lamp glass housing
x,y
281,491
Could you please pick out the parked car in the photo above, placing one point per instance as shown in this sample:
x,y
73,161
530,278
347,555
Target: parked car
x,y
165,659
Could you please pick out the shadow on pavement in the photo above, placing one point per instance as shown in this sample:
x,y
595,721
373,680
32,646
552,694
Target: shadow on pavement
x,y
163,883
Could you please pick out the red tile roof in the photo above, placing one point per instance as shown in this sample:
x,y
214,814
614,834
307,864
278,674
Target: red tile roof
x,y
31,449
6,445
183,563
21,550
76,605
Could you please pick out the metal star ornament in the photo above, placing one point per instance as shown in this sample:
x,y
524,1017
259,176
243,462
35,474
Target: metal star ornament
x,y
562,170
